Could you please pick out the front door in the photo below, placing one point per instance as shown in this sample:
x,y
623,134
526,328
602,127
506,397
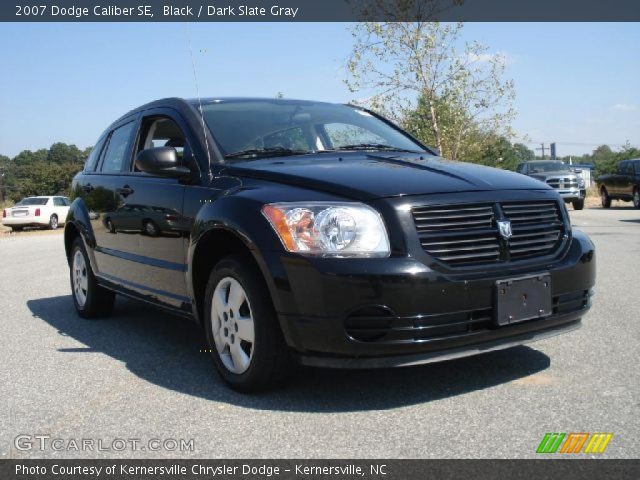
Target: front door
x,y
151,234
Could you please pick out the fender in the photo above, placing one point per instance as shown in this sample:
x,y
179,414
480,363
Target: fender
x,y
240,216
79,217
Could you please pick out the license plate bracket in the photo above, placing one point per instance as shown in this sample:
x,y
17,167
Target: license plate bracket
x,y
521,299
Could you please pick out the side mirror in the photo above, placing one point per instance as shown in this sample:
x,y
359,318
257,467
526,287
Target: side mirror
x,y
161,161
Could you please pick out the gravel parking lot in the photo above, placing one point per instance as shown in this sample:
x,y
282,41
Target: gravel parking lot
x,y
141,375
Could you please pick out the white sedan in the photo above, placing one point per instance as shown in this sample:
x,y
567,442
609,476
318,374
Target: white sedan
x,y
37,212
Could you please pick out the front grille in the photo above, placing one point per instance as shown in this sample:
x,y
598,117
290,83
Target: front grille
x,y
387,328
537,228
563,183
468,234
380,325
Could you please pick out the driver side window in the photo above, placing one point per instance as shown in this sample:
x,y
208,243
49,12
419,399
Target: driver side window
x,y
163,132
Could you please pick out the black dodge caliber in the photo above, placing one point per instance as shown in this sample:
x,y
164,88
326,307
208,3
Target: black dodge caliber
x,y
318,233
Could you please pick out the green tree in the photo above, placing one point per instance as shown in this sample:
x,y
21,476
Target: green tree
x,y
501,153
43,172
423,74
62,153
27,156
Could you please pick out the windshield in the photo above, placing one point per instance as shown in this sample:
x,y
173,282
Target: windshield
x,y
548,167
32,201
246,128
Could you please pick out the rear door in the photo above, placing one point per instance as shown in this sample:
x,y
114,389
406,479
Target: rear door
x,y
97,187
627,180
60,208
618,180
147,228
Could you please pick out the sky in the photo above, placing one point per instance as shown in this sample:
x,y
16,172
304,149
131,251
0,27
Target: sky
x,y
577,84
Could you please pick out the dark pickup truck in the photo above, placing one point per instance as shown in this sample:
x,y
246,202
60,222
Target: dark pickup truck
x,y
622,185
320,233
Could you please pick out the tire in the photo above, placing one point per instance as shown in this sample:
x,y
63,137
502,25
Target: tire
x,y
90,299
248,359
636,197
605,199
578,204
16,229
150,228
53,222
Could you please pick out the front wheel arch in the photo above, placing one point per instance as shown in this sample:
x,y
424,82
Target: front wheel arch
x,y
70,233
211,247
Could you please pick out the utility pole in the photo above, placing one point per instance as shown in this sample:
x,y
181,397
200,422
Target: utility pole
x,y
542,147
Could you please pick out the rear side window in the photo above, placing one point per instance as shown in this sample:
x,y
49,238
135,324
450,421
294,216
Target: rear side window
x,y
90,165
630,168
32,201
58,202
116,156
637,166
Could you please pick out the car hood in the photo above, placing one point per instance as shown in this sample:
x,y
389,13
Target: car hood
x,y
369,176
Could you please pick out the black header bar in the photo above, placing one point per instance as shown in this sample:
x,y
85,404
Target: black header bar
x,y
318,10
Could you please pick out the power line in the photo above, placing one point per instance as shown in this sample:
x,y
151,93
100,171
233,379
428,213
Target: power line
x,y
580,144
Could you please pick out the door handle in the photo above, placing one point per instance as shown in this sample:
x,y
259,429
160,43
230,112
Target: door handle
x,y
124,191
87,188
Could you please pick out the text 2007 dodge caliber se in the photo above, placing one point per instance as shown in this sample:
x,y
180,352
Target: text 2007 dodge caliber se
x,y
318,233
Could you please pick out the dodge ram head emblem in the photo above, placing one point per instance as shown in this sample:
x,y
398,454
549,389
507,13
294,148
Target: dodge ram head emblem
x,y
504,226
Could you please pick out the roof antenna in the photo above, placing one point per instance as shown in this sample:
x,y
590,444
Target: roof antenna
x,y
195,78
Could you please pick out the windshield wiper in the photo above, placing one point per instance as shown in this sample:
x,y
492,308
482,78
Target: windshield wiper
x,y
266,152
372,146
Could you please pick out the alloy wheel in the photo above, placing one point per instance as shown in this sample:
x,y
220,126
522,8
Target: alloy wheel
x,y
80,280
232,325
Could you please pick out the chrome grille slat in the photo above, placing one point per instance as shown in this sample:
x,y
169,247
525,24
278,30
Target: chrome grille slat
x,y
467,235
458,249
473,240
529,249
431,226
453,216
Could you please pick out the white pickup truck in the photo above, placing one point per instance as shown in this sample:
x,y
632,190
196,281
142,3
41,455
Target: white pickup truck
x,y
48,212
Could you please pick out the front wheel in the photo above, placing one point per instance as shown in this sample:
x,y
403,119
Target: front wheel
x,y
90,299
605,199
578,204
636,197
53,222
242,329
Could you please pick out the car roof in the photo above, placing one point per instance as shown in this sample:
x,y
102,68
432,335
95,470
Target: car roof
x,y
181,104
543,161
46,196
293,101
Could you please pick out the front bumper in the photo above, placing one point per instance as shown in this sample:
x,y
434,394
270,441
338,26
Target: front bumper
x,y
392,312
572,194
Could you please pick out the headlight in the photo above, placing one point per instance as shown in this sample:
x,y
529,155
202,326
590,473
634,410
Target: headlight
x,y
329,229
581,182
